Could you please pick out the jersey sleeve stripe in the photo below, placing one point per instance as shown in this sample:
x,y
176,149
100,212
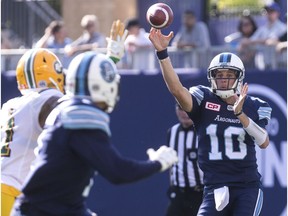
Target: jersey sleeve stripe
x,y
83,117
264,112
197,93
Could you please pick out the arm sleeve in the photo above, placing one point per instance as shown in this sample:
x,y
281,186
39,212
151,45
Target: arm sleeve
x,y
95,148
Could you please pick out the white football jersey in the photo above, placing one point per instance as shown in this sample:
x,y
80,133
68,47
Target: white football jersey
x,y
20,129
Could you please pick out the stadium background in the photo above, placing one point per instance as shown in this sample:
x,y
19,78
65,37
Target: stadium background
x,y
146,109
141,120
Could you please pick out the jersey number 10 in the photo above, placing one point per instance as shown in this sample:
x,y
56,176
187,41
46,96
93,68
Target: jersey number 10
x,y
215,154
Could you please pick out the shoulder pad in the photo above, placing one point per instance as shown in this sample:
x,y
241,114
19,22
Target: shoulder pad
x,y
198,92
263,108
85,117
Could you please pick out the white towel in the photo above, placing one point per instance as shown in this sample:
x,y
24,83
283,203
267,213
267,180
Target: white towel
x,y
221,196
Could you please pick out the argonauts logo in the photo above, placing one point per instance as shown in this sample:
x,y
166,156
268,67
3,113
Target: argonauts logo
x,y
107,71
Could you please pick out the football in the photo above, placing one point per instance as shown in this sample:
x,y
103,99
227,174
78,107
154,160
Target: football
x,y
159,15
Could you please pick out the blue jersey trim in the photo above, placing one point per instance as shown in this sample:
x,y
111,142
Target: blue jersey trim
x,y
84,117
197,93
264,112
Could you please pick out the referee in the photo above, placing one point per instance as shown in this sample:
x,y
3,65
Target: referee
x,y
186,178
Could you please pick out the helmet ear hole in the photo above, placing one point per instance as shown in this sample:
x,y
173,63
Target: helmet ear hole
x,y
95,87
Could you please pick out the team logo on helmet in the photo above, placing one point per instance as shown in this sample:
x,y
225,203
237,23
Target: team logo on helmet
x,y
42,83
58,67
107,71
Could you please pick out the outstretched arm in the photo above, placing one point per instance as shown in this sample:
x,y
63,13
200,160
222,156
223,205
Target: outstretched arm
x,y
42,42
171,79
108,161
118,35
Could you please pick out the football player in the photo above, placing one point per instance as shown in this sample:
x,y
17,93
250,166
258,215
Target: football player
x,y
76,141
40,80
229,124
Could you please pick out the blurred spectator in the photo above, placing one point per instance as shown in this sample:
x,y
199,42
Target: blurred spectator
x,y
90,39
138,46
272,30
193,33
137,38
246,28
55,36
280,42
6,43
281,48
9,40
281,51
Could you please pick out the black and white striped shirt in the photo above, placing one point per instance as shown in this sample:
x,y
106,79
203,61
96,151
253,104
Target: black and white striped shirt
x,y
186,173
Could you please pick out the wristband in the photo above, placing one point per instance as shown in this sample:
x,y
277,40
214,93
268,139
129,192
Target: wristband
x,y
162,54
239,113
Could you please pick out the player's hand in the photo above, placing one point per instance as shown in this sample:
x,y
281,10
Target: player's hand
x,y
118,35
159,40
165,155
238,106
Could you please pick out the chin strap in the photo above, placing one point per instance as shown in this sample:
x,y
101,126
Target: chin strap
x,y
54,83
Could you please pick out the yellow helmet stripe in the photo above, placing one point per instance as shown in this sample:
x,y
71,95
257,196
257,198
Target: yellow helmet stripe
x,y
29,71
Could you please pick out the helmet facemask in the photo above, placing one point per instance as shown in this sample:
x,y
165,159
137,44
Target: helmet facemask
x,y
226,62
228,90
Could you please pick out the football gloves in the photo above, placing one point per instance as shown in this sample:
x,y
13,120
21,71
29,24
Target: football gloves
x,y
118,35
165,155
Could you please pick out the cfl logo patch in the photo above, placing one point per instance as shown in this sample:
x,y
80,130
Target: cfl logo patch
x,y
212,106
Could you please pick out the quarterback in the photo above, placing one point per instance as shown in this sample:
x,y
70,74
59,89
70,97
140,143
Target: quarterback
x,y
229,124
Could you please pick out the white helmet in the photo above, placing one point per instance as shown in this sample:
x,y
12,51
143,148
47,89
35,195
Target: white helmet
x,y
94,76
230,61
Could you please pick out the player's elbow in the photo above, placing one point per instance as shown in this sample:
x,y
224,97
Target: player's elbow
x,y
265,144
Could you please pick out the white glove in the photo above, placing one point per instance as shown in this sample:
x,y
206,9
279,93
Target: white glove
x,y
165,155
118,35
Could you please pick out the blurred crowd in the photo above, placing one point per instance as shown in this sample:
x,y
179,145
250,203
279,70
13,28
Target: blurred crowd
x,y
252,42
